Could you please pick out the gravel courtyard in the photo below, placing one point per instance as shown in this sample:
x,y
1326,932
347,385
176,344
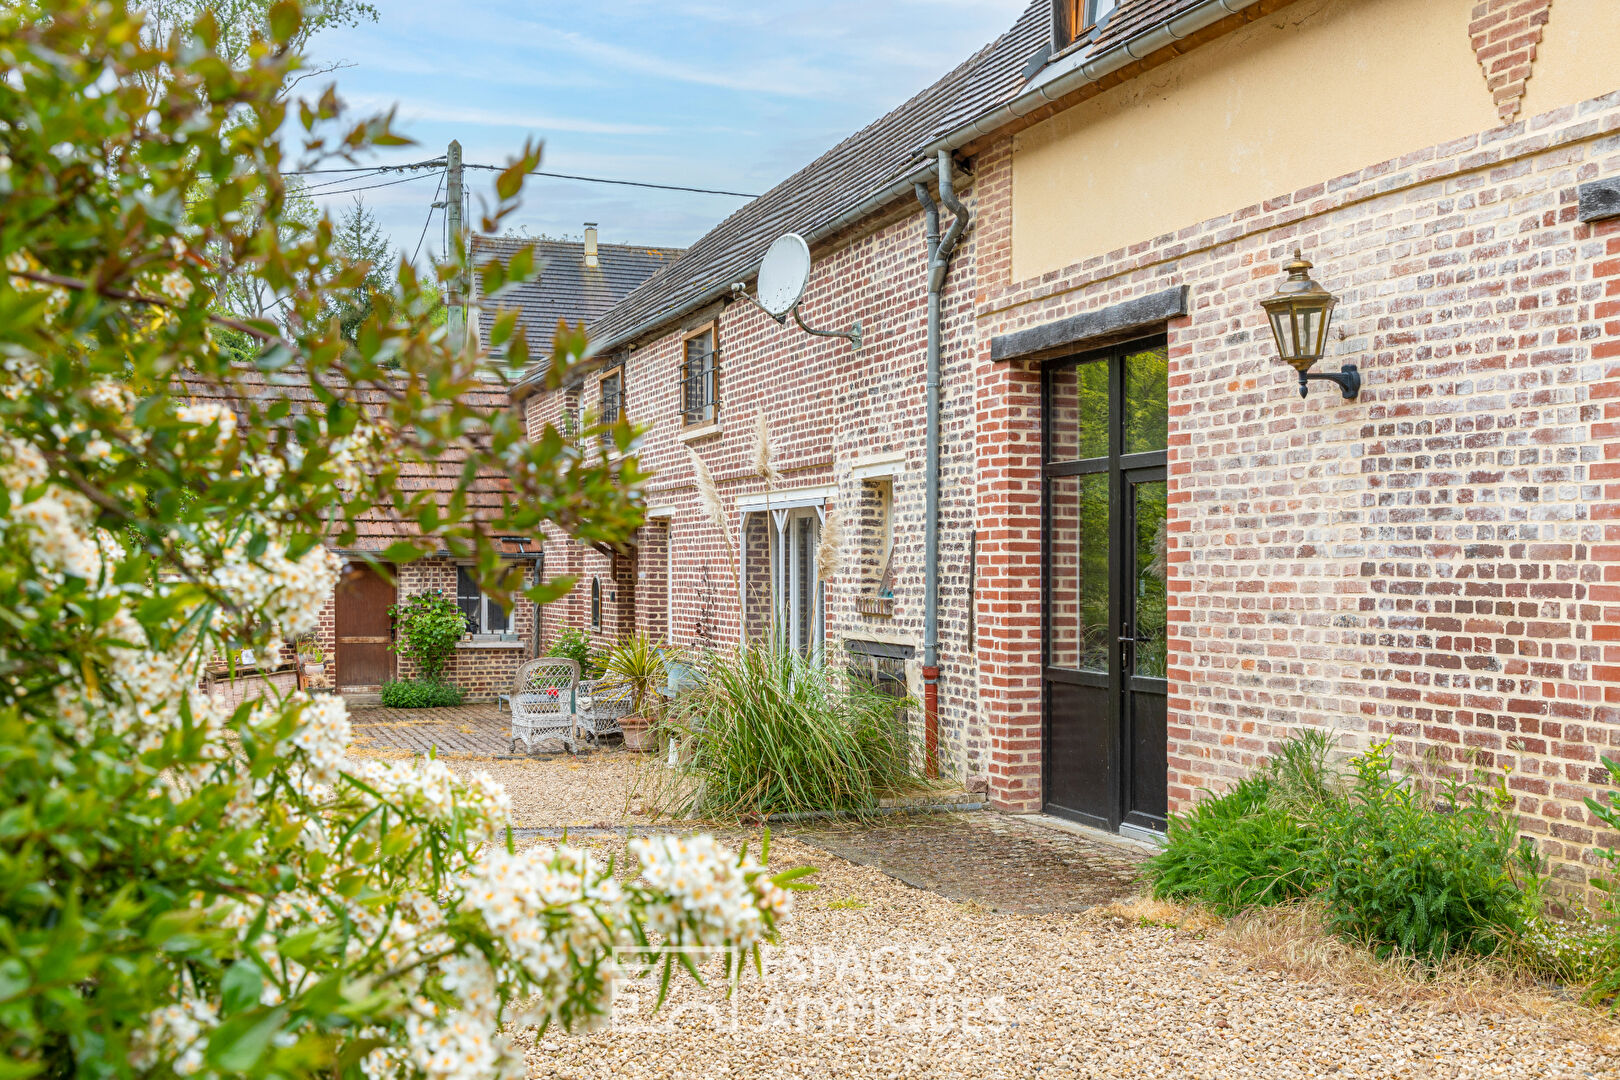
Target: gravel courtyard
x,y
997,994
980,947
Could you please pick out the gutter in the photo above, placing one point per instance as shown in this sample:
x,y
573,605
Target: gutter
x,y
940,250
1067,74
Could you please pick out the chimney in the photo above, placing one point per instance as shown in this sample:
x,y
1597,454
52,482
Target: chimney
x,y
590,244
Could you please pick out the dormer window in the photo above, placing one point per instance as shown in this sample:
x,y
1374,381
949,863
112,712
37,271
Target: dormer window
x,y
1074,20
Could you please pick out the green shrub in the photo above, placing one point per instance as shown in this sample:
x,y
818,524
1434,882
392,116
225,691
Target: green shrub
x,y
1235,851
575,644
1420,871
420,694
1403,866
768,731
430,624
1253,844
1599,946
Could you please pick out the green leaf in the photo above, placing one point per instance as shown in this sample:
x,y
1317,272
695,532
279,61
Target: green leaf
x,y
285,19
241,987
239,1043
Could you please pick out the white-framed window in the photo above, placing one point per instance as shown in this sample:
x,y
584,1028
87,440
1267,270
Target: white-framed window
x,y
484,615
798,615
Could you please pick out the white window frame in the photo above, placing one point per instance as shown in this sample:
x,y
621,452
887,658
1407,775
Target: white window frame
x,y
482,629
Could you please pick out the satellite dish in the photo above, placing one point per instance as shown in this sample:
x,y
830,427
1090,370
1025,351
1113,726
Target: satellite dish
x,y
783,274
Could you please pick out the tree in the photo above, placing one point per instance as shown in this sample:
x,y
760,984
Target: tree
x,y
240,23
358,240
188,887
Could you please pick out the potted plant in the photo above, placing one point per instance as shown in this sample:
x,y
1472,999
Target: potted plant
x,y
313,658
635,667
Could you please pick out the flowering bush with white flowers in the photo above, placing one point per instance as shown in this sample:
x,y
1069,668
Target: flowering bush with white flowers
x,y
193,888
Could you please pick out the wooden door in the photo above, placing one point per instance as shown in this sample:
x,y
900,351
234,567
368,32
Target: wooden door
x,y
363,628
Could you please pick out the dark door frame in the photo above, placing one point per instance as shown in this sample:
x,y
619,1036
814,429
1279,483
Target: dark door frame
x,y
1122,469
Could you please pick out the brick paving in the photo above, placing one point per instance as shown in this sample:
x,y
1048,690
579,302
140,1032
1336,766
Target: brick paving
x,y
479,730
990,859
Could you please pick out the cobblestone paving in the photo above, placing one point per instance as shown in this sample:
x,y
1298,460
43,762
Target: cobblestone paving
x,y
480,730
998,862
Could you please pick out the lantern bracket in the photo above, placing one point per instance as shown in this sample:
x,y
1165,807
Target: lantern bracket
x,y
1347,378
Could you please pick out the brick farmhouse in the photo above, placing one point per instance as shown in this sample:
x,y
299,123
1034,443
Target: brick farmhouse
x,y
579,281
1156,558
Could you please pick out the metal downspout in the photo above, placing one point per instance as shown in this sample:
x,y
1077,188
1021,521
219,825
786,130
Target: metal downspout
x,y
939,260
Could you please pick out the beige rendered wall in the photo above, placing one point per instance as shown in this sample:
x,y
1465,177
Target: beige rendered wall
x,y
1308,93
1579,56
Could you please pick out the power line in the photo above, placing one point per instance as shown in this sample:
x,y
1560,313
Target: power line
x,y
368,168
429,220
624,183
372,187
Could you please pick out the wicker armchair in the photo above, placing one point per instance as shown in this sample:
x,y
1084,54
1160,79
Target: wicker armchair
x,y
545,696
600,708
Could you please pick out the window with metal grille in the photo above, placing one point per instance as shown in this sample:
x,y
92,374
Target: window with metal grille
x,y
612,388
596,603
700,378
484,615
880,665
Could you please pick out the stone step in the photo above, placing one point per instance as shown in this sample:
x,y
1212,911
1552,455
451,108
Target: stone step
x,y
361,699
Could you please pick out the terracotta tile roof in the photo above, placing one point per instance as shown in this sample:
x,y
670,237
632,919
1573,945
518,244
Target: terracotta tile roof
x,y
567,289
838,181
377,529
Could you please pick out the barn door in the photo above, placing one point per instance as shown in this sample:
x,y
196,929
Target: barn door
x,y
362,627
1105,577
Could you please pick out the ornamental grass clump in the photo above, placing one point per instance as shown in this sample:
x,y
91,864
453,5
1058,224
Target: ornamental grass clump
x,y
765,730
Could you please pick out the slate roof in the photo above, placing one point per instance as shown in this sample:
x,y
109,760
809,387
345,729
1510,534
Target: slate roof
x,y
567,289
863,165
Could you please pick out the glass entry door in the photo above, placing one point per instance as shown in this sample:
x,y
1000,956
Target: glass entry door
x,y
1104,595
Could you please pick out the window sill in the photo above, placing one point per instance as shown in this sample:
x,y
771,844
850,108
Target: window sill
x,y
700,431
489,644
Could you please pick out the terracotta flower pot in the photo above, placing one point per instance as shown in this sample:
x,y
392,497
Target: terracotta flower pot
x,y
637,733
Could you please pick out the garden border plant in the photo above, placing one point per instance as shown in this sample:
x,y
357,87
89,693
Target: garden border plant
x,y
429,625
194,887
1420,866
767,731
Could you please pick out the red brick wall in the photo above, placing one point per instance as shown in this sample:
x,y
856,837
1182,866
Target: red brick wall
x,y
1427,563
1505,35
829,408
482,670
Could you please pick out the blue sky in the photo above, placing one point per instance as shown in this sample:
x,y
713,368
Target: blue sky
x,y
723,95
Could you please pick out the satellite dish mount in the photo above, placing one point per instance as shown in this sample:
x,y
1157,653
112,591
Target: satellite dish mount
x,y
783,274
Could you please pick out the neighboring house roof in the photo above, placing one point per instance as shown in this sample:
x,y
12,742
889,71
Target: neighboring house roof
x,y
378,527
874,158
567,290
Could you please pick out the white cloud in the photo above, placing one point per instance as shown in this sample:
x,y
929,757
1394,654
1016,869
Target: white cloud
x,y
415,110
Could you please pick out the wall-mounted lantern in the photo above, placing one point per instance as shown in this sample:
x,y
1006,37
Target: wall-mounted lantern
x,y
1300,311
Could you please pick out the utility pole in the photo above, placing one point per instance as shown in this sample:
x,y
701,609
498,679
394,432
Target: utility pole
x,y
457,321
